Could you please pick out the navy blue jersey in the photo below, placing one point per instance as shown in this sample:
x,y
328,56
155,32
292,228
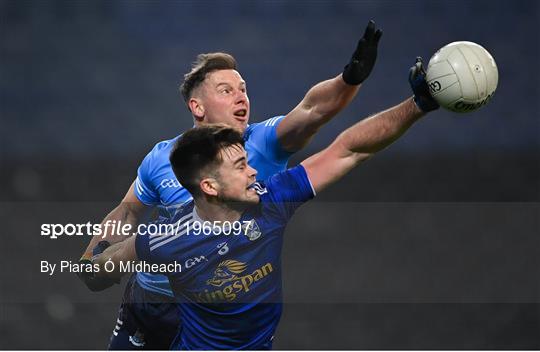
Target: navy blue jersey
x,y
230,282
156,184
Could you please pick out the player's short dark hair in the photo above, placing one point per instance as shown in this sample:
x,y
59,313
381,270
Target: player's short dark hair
x,y
203,65
198,150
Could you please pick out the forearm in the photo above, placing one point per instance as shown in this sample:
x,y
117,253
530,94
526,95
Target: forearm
x,y
358,143
320,105
328,98
380,130
123,214
113,254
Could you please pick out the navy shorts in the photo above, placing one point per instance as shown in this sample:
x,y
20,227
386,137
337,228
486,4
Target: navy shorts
x,y
146,320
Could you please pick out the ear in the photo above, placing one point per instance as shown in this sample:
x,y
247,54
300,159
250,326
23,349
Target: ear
x,y
197,109
209,186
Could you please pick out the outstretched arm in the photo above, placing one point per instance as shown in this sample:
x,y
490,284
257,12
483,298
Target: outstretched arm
x,y
360,142
370,135
323,101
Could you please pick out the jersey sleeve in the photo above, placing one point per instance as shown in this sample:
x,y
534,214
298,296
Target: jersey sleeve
x,y
264,137
147,235
144,187
287,191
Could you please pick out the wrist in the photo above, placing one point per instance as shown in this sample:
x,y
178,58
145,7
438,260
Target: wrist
x,y
425,104
100,248
346,79
350,76
415,108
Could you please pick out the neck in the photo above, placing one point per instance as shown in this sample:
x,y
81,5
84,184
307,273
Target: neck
x,y
216,211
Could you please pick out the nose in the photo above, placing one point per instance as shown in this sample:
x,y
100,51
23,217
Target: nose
x,y
241,97
252,172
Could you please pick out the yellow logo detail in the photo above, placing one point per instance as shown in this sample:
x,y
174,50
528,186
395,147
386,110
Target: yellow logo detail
x,y
226,271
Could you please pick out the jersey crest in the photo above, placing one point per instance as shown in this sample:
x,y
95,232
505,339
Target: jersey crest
x,y
252,230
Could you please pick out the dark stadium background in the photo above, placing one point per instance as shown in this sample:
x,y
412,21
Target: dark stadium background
x,y
433,244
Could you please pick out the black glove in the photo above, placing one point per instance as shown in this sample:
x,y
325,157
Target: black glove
x,y
89,278
417,80
363,58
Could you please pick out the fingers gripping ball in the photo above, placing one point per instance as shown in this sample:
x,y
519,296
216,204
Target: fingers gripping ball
x,y
419,86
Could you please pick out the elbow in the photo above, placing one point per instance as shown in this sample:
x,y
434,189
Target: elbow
x,y
321,113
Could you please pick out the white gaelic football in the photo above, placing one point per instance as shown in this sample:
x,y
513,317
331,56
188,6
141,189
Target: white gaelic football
x,y
462,76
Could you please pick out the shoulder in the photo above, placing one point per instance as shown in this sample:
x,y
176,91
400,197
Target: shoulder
x,y
163,147
266,125
290,179
281,194
184,209
159,154
290,185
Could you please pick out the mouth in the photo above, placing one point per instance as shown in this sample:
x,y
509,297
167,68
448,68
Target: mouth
x,y
240,114
252,192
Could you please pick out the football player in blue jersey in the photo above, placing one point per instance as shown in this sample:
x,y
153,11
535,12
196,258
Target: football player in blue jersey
x,y
228,279
214,91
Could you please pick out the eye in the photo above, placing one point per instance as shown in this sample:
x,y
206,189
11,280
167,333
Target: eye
x,y
242,166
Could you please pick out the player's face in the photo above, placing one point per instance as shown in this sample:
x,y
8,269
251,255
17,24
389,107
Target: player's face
x,y
223,99
235,177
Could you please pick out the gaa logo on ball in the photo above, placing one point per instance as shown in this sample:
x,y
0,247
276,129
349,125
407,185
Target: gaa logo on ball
x,y
462,76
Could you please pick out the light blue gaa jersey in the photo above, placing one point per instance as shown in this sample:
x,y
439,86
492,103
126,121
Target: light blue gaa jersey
x,y
156,184
230,281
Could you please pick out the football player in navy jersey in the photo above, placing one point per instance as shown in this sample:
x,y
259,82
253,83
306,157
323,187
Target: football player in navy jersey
x,y
229,279
214,91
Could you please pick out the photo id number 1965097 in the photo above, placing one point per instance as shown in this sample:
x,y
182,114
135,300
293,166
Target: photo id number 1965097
x,y
215,228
